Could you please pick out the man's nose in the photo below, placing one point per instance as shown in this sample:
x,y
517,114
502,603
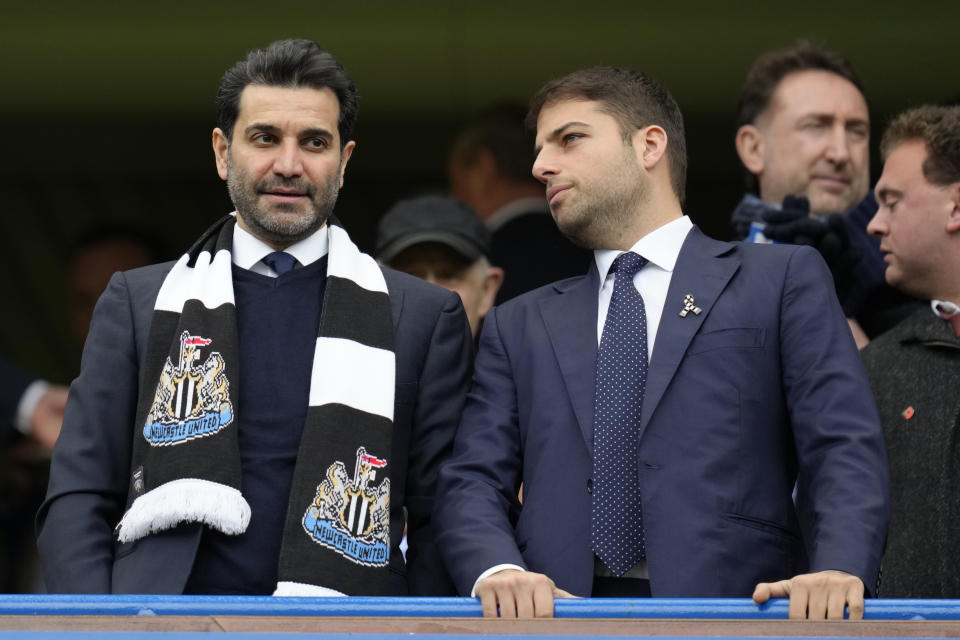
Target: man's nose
x,y
838,151
544,166
878,223
288,162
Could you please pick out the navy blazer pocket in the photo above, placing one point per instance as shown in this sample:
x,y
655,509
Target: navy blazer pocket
x,y
761,524
732,338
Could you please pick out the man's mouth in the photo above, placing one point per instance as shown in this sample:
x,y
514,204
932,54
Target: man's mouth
x,y
836,183
284,195
555,192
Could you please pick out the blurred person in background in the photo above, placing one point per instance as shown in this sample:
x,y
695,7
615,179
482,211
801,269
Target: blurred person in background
x,y
443,241
803,137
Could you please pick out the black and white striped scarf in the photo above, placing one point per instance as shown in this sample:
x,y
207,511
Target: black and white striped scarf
x,y
186,457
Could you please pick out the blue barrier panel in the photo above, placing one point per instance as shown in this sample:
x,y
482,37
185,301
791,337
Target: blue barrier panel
x,y
744,609
199,635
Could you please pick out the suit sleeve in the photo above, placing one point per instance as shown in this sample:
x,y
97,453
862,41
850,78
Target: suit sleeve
x,y
90,466
843,493
477,489
443,383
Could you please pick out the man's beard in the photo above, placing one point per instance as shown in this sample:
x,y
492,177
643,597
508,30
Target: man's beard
x,y
607,208
282,226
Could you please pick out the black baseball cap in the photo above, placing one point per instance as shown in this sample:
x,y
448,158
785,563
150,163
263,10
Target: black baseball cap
x,y
440,219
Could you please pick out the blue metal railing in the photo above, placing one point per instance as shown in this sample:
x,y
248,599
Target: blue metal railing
x,y
744,609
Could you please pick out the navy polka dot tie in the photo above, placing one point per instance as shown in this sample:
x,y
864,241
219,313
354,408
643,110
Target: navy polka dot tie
x,y
279,261
617,521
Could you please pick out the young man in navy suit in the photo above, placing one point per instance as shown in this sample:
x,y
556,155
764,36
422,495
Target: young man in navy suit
x,y
748,389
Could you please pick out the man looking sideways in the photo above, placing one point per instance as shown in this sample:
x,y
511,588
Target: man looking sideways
x,y
660,410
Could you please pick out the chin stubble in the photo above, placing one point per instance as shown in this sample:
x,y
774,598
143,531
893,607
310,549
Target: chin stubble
x,y
281,226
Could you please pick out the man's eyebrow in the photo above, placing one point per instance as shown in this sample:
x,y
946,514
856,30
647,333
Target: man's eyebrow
x,y
262,126
556,133
318,132
887,192
826,117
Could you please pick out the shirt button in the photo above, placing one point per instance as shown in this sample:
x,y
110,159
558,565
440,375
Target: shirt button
x,y
589,485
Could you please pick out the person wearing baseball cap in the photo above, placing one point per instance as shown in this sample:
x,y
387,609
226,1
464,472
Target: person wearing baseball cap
x,y
443,241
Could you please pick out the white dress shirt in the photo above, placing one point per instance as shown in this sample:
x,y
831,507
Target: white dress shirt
x,y
661,247
249,250
28,404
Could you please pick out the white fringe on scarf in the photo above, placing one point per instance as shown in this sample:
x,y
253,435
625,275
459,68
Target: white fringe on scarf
x,y
295,589
185,500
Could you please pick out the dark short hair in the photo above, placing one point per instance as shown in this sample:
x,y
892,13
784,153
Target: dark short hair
x,y
501,130
939,130
633,99
773,66
288,63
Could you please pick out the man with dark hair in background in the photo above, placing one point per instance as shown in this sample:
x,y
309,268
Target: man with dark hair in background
x,y
265,414
489,169
803,136
914,368
660,410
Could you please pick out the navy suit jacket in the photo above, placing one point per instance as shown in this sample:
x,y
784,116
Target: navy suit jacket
x,y
762,390
90,470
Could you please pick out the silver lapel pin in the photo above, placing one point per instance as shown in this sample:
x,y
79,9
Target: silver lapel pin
x,y
688,306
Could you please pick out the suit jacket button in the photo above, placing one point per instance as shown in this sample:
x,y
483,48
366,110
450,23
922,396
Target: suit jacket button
x,y
589,485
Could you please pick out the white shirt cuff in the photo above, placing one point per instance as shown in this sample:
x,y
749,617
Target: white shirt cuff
x,y
489,572
28,404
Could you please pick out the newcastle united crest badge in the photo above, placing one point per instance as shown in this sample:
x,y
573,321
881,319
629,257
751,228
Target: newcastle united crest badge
x,y
192,399
352,516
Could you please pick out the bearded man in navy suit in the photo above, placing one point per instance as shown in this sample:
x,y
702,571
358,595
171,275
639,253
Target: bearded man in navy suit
x,y
754,456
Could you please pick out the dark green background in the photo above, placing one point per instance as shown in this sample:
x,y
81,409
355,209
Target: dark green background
x,y
107,107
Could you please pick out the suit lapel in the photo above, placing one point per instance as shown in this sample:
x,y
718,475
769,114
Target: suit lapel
x,y
571,322
703,270
396,307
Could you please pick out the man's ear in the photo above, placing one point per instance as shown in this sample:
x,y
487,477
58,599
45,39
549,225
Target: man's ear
x,y
750,147
345,155
221,149
651,145
491,285
953,219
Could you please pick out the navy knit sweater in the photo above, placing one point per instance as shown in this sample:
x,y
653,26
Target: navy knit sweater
x,y
277,321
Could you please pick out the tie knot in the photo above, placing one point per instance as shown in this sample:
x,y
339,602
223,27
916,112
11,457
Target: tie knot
x,y
628,264
280,262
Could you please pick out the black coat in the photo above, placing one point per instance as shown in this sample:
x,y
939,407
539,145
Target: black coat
x,y
914,370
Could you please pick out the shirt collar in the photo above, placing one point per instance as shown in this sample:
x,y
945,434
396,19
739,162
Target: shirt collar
x,y
660,247
944,308
248,249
